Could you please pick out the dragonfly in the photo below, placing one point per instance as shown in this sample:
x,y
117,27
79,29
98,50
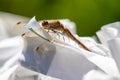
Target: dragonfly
x,y
56,27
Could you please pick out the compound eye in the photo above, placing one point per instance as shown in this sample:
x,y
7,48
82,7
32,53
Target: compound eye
x,y
44,23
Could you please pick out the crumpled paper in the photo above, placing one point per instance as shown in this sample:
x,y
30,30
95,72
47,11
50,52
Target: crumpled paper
x,y
108,36
59,59
111,39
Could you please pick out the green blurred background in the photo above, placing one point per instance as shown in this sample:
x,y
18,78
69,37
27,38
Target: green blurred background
x,y
89,15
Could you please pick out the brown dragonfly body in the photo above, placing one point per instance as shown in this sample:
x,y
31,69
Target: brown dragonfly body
x,y
58,28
